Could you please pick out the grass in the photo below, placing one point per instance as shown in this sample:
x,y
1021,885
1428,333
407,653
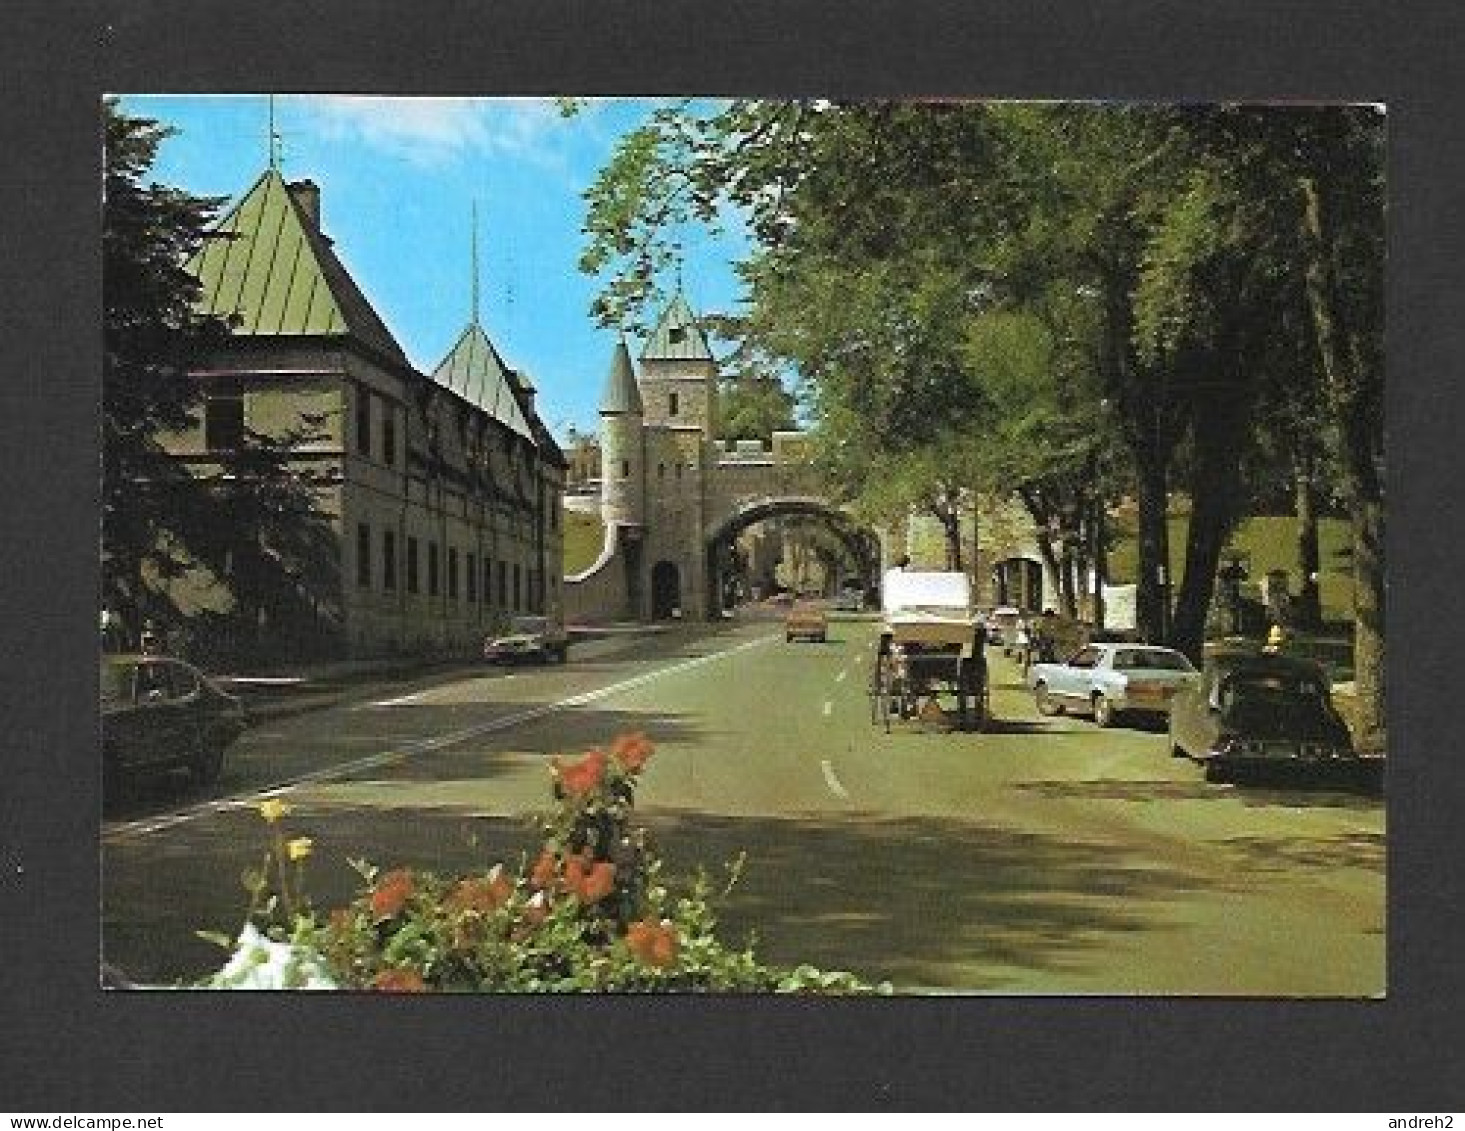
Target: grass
x,y
1265,543
584,536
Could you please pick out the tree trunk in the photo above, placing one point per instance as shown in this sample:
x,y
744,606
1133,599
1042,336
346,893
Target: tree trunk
x,y
1151,597
1352,389
1307,609
1100,555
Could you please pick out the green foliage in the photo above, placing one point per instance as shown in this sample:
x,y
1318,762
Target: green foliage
x,y
149,333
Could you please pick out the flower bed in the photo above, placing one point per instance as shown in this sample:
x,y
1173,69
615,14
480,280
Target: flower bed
x,y
589,910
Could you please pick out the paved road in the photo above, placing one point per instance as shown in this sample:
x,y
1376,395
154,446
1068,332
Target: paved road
x,y
1043,856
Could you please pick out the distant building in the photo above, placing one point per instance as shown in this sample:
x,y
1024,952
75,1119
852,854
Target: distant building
x,y
442,493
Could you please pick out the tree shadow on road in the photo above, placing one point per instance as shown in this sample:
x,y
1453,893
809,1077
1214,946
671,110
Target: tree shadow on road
x,y
917,900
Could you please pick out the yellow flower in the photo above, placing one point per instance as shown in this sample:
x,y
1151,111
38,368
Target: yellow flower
x,y
273,809
299,848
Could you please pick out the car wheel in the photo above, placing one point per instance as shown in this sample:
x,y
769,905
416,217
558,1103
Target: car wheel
x,y
1217,771
1046,704
1103,710
1176,751
208,763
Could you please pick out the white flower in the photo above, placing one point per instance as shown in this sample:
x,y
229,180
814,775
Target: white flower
x,y
260,963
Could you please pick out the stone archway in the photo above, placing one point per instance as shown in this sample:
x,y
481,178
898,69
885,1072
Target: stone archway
x,y
666,590
861,546
1018,581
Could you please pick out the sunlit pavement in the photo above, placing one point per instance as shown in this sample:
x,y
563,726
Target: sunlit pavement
x,y
1040,856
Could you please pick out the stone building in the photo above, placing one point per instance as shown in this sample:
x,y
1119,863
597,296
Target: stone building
x,y
441,493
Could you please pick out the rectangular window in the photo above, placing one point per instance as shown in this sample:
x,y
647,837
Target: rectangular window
x,y
432,585
412,586
517,604
671,404
470,578
452,573
503,584
389,435
363,555
363,421
625,469
487,582
389,559
223,421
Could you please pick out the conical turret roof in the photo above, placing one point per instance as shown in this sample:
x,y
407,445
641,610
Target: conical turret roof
x,y
474,370
678,336
271,272
621,392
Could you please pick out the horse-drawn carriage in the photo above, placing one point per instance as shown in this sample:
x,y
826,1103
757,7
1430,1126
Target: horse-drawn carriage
x,y
931,645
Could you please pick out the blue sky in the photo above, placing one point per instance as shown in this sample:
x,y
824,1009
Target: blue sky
x,y
399,178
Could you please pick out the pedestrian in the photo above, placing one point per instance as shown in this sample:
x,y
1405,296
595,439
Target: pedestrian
x,y
151,643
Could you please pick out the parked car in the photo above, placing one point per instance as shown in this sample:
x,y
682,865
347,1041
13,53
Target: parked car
x,y
806,621
160,713
1254,710
1003,625
531,638
1108,680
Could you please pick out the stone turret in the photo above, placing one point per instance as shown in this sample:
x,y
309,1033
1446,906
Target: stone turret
x,y
679,373
622,444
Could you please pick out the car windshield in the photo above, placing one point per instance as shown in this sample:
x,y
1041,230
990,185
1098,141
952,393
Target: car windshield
x,y
1153,659
528,626
116,683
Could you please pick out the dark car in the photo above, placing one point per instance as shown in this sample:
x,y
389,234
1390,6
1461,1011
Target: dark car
x,y
159,713
1252,712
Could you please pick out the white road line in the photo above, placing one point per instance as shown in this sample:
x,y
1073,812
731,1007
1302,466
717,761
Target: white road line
x,y
831,781
427,745
840,677
828,708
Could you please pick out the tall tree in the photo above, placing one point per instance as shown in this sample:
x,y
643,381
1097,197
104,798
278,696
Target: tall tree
x,y
150,332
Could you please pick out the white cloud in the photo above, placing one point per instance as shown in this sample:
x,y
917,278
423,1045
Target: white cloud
x,y
436,131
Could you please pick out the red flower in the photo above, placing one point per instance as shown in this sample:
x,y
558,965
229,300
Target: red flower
x,y
399,982
483,895
545,870
392,893
589,881
584,776
632,751
653,944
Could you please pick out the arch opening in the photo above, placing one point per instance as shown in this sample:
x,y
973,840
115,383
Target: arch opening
x,y
666,590
790,544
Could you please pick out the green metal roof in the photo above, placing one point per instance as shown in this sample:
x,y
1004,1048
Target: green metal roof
x,y
270,270
474,370
621,392
677,336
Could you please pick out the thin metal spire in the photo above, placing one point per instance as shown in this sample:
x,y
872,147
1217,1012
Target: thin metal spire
x,y
276,142
475,263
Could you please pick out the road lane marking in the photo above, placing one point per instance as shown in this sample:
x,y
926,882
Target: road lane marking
x,y
828,708
244,800
842,673
831,781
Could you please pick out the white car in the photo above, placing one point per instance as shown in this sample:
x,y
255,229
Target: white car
x,y
538,638
1107,680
